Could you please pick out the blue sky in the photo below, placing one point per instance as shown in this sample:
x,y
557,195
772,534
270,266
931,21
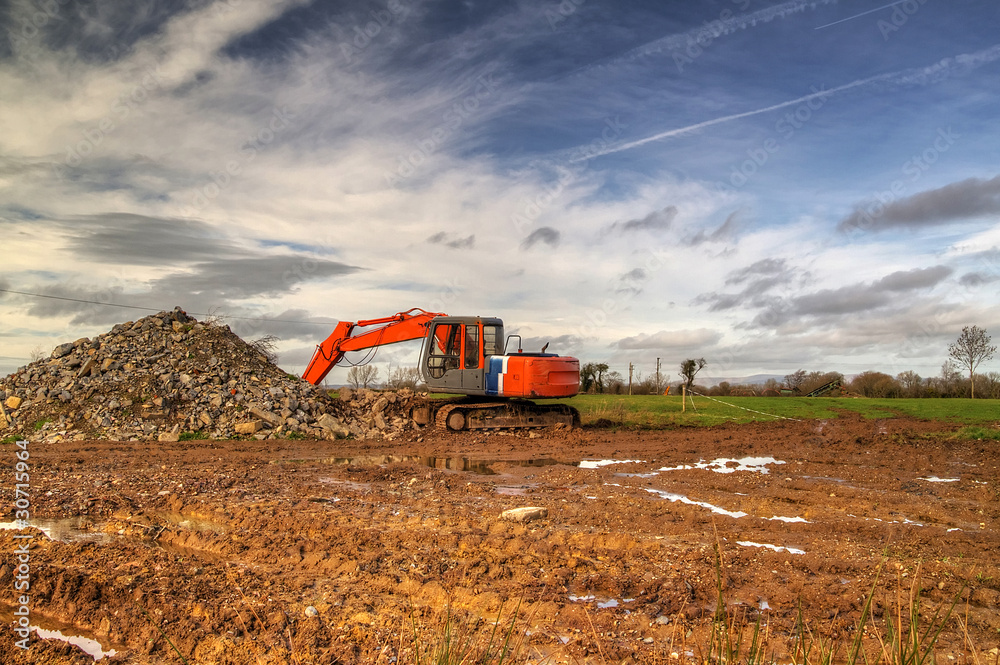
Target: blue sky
x,y
772,186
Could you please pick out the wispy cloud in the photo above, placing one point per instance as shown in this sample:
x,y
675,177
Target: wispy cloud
x,y
915,76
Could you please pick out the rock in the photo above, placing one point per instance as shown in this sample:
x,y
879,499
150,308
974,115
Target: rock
x,y
525,514
62,350
333,426
169,436
312,611
272,418
247,428
88,368
185,375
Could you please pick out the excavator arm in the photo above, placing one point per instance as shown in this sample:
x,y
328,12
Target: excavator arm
x,y
401,327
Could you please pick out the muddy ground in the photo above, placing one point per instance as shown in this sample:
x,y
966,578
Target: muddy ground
x,y
331,552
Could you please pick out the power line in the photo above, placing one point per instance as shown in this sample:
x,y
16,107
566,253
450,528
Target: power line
x,y
151,309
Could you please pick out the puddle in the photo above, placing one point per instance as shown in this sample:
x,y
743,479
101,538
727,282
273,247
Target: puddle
x,y
905,520
512,490
935,479
602,602
775,548
64,529
596,464
669,496
729,465
193,523
466,464
347,484
52,630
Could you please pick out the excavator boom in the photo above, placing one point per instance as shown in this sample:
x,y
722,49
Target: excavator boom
x,y
401,327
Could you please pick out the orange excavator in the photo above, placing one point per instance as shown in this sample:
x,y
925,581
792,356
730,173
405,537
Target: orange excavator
x,y
467,356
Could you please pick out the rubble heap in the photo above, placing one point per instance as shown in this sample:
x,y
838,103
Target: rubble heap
x,y
169,376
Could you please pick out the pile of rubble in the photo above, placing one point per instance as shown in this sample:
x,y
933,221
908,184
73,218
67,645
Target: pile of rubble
x,y
170,377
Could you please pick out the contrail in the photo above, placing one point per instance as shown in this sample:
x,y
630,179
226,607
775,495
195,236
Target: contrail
x,y
870,11
716,29
721,27
917,75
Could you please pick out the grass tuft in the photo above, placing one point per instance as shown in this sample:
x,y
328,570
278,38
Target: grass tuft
x,y
464,643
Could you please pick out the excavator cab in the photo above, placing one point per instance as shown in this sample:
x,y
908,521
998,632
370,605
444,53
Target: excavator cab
x,y
465,355
456,352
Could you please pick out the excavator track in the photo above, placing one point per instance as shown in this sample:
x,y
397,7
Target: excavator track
x,y
510,414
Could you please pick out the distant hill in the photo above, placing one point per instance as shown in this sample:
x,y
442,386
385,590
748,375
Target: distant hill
x,y
752,380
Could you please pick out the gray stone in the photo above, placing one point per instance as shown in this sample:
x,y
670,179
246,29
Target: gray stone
x,y
333,426
62,350
267,416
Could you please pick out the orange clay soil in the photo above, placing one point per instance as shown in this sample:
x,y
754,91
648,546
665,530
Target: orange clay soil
x,y
341,552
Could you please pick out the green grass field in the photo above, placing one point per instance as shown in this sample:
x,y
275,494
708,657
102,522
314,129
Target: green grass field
x,y
658,411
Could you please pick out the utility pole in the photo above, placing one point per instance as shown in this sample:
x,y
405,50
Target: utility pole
x,y
657,376
630,378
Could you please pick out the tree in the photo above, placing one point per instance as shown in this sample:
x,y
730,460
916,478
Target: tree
x,y
795,380
403,377
361,376
971,349
592,376
689,368
875,384
911,382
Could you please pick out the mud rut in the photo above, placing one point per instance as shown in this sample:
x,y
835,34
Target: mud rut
x,y
324,552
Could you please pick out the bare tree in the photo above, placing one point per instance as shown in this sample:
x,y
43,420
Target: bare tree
x,y
910,381
403,377
689,368
361,376
795,380
267,346
971,349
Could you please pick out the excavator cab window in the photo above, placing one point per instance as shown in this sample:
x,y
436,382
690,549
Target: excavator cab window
x,y
472,346
492,340
446,349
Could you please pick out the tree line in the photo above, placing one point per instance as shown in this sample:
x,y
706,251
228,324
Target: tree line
x,y
958,378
